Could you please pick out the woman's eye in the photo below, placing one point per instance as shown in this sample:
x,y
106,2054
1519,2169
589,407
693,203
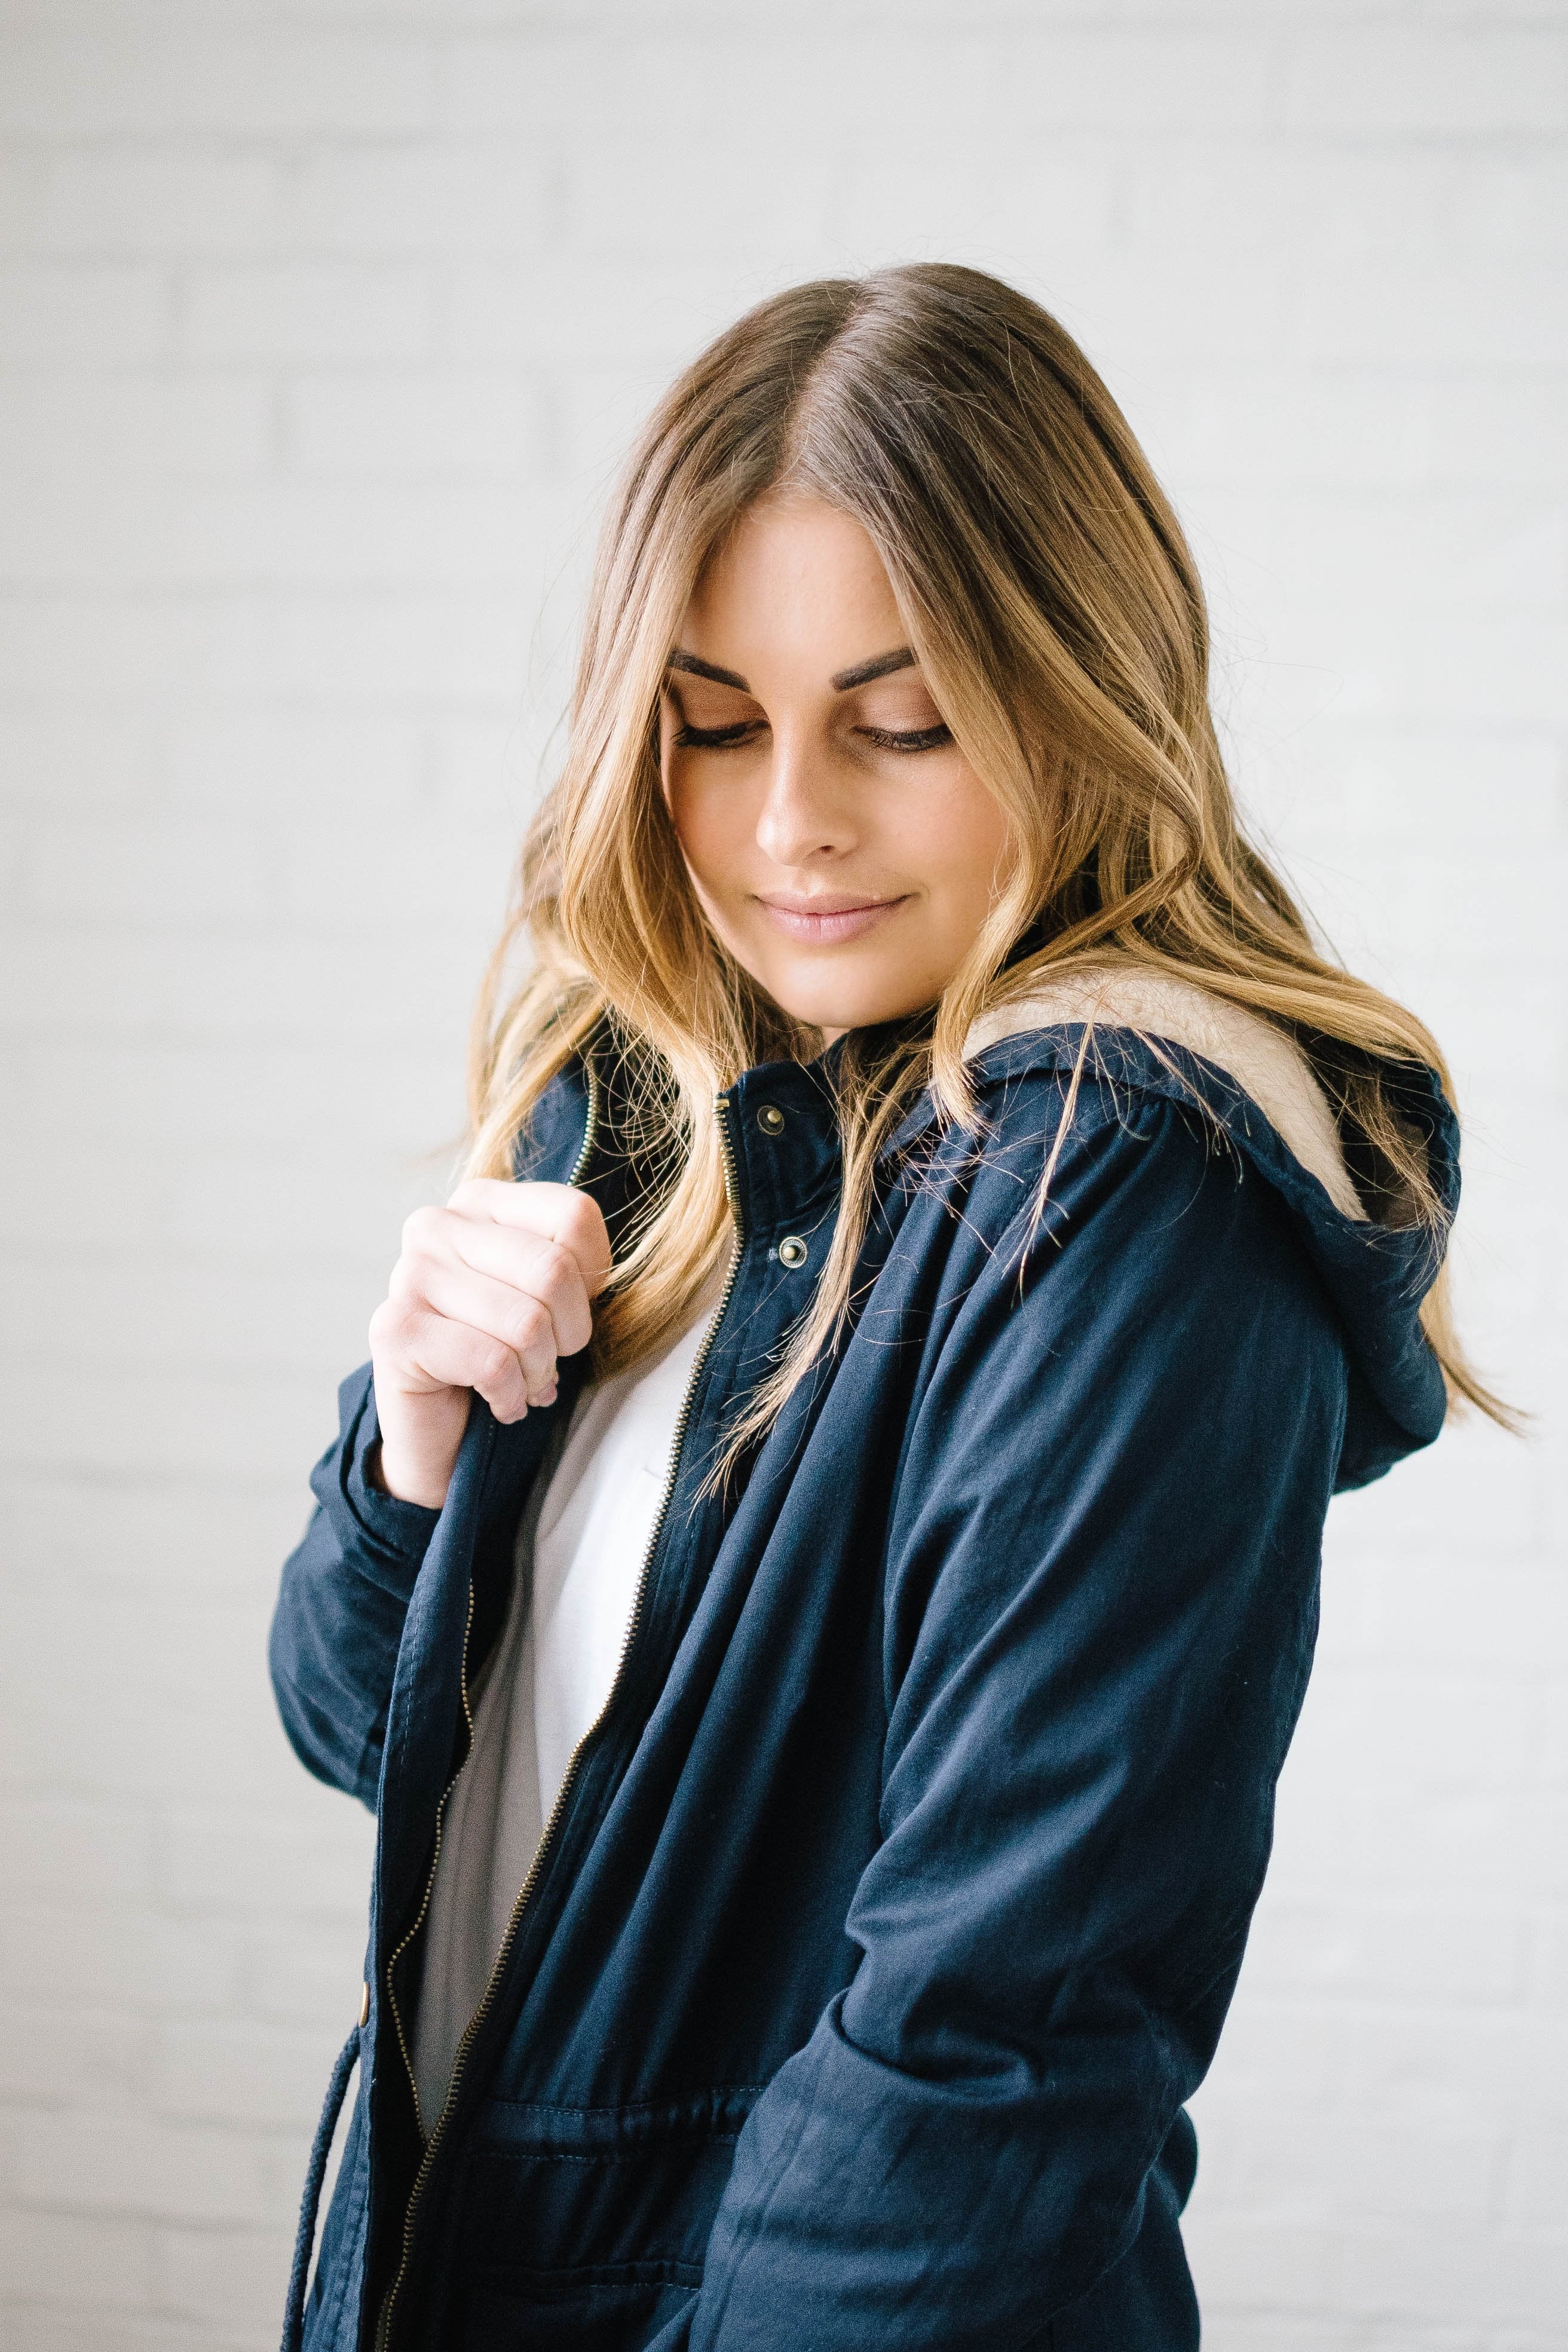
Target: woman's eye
x,y
716,738
914,739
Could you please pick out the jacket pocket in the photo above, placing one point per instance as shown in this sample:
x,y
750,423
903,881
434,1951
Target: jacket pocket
x,y
587,2226
539,2312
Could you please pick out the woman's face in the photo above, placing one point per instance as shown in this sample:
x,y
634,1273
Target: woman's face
x,y
841,846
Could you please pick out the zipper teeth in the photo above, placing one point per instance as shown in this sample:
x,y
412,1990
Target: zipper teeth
x,y
563,1794
435,1865
590,1132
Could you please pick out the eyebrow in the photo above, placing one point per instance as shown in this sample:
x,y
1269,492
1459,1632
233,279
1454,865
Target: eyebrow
x,y
698,667
862,674
880,666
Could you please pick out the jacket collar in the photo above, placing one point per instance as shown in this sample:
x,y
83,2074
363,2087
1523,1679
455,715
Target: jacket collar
x,y
1262,1062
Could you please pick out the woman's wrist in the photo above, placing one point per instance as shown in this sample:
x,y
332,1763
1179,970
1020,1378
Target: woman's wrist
x,y
406,1482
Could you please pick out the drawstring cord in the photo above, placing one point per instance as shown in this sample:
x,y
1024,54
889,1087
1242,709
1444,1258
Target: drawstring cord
x,y
309,2203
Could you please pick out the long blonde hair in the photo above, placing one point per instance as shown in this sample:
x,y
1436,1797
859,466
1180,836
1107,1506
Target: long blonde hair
x,y
1059,620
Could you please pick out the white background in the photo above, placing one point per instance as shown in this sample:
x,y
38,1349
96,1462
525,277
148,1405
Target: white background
x,y
322,324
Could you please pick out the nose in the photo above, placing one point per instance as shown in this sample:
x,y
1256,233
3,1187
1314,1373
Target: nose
x,y
805,814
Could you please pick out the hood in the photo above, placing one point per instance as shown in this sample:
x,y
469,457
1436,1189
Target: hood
x,y
1259,1087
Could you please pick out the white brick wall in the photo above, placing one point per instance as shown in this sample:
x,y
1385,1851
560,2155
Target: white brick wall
x,y
321,323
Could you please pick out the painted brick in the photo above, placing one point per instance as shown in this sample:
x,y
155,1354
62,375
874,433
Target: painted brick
x,y
305,311
72,1851
1274,428
295,1980
385,648
255,754
1538,2175
66,2259
1499,428
77,2331
268,1864
283,1096
160,1544
177,874
443,873
425,423
1439,315
252,2073
136,2164
191,1313
894,197
190,81
1464,79
110,427
209,2274
170,1424
1451,1954
89,310
220,535
426,198
139,199
1447,2275
245,647
325,325
67,2060
1506,205
1250,2329
261,985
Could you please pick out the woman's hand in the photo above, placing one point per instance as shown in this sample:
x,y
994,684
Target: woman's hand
x,y
487,1293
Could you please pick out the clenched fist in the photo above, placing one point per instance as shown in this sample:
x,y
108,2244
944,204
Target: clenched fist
x,y
487,1293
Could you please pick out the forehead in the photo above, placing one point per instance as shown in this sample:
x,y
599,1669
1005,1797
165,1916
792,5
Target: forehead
x,y
798,581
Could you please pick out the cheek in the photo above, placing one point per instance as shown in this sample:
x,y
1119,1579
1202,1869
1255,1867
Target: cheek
x,y
710,826
962,837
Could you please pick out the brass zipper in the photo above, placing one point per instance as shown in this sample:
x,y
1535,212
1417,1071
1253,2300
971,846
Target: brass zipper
x,y
590,1132
563,1794
435,1865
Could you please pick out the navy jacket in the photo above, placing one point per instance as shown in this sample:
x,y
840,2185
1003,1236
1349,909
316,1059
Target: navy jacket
x,y
893,1911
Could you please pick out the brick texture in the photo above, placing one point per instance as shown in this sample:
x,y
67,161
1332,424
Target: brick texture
x,y
321,324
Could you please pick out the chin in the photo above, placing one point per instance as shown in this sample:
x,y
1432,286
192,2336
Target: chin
x,y
826,992
814,1010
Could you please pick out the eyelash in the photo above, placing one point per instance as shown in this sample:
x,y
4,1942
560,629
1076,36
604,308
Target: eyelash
x,y
919,739
714,738
726,738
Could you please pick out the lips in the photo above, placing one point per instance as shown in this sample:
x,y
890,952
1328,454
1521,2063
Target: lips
x,y
828,922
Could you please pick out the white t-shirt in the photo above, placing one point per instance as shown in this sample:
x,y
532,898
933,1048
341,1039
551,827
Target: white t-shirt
x,y
580,1552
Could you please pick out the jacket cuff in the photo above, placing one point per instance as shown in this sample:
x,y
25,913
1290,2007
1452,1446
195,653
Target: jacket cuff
x,y
395,1533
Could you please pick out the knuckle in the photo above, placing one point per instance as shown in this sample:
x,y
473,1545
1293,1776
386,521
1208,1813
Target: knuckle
x,y
555,1266
584,1221
422,1230
531,1326
391,1327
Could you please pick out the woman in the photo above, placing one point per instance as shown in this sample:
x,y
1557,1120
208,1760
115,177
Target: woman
x,y
820,1576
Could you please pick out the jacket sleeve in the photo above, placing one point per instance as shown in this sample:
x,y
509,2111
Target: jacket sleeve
x,y
1100,1588
345,1592
346,1589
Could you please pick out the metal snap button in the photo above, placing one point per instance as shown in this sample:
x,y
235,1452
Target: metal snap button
x,y
792,1251
771,1120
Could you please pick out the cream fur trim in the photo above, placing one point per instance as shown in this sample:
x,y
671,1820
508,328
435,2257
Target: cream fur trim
x,y
1263,1061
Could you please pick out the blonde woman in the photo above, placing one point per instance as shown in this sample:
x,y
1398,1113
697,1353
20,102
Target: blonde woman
x,y
819,1577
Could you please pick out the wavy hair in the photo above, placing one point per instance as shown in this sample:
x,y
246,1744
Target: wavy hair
x,y
1058,619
